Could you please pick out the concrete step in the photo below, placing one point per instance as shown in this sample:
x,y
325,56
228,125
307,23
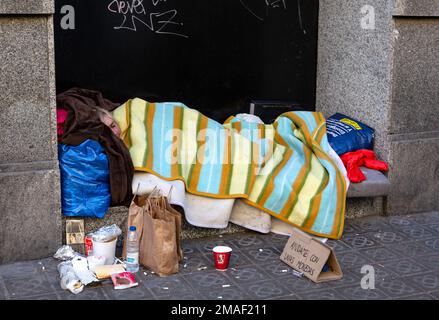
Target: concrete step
x,y
118,216
375,185
372,190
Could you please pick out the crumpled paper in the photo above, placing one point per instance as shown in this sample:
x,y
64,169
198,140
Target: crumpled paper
x,y
65,253
80,267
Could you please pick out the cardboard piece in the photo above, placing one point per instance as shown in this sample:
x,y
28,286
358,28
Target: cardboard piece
x,y
105,271
308,255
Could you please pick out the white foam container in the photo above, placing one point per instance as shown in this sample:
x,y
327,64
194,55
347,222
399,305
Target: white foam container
x,y
105,249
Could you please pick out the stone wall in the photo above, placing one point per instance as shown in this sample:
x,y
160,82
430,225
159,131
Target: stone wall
x,y
388,77
30,218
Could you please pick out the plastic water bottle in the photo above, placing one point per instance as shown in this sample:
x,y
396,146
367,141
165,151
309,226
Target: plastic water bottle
x,y
132,263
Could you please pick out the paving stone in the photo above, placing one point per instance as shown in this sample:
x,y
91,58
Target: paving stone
x,y
349,278
49,265
263,255
277,238
277,241
338,246
193,262
208,280
297,285
403,267
358,293
289,297
417,232
432,244
370,224
410,249
228,293
50,296
431,261
381,272
400,222
248,274
349,227
188,247
397,288
358,241
265,290
19,270
428,282
403,253
425,218
386,237
322,295
207,246
2,290
169,287
435,295
434,227
183,296
135,293
86,294
277,269
421,296
249,241
380,254
27,286
352,258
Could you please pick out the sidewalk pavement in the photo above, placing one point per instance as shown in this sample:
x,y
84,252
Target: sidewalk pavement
x,y
403,250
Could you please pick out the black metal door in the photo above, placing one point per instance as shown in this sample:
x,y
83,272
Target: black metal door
x,y
213,55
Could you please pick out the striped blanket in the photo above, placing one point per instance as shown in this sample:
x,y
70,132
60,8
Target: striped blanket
x,y
283,169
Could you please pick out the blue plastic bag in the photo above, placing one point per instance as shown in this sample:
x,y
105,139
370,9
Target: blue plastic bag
x,y
346,134
85,187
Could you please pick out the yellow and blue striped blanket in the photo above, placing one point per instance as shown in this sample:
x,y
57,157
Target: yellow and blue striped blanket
x,y
283,168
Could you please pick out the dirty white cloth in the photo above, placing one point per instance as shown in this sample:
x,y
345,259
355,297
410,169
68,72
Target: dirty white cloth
x,y
144,183
250,217
199,211
207,212
335,157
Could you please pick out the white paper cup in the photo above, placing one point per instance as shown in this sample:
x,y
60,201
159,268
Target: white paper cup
x,y
105,249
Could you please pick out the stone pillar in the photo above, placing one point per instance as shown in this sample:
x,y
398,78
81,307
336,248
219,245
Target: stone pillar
x,y
30,218
414,108
387,75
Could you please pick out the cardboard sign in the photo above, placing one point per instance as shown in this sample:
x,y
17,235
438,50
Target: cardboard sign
x,y
308,255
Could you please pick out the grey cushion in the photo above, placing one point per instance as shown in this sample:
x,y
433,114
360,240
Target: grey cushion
x,y
375,185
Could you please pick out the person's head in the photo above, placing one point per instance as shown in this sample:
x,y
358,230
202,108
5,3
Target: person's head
x,y
107,119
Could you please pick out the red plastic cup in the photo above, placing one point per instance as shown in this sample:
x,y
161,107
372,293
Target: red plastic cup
x,y
221,256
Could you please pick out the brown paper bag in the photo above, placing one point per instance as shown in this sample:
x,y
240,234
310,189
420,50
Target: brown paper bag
x,y
159,231
159,242
178,225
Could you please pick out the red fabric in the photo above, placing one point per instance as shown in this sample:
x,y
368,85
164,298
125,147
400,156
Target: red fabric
x,y
354,160
61,116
